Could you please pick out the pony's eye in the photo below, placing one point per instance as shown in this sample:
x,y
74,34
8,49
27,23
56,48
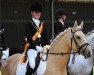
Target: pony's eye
x,y
78,37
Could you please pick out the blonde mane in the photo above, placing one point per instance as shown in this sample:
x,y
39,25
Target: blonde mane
x,y
59,36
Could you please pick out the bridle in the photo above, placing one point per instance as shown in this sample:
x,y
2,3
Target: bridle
x,y
76,43
74,52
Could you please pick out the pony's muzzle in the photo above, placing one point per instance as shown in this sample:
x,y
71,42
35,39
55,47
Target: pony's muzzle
x,y
88,53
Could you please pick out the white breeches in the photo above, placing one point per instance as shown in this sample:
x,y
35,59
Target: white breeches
x,y
31,53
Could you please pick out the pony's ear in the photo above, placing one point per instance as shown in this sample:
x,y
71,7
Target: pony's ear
x,y
81,24
75,25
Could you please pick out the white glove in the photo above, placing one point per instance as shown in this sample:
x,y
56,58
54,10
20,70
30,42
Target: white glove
x,y
45,48
39,48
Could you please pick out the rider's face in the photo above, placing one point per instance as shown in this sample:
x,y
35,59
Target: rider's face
x,y
64,17
36,14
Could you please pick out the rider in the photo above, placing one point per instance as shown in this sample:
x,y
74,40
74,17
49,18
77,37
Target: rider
x,y
60,18
35,35
60,26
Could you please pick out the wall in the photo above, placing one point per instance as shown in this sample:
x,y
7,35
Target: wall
x,y
14,14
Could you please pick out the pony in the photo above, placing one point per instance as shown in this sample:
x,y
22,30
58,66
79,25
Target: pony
x,y
84,65
59,52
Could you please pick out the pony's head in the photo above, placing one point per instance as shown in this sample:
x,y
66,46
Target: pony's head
x,y
78,40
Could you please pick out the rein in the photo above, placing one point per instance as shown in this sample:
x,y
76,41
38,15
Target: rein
x,y
61,53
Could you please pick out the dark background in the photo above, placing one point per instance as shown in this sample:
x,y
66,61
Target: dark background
x,y
14,14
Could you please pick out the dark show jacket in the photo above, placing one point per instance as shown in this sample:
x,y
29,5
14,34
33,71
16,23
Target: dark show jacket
x,y
30,30
59,27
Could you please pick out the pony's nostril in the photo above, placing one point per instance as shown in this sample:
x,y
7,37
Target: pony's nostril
x,y
89,53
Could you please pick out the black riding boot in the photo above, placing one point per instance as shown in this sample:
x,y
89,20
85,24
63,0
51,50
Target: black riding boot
x,y
31,71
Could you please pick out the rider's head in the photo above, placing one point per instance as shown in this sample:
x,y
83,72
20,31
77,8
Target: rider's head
x,y
61,14
36,10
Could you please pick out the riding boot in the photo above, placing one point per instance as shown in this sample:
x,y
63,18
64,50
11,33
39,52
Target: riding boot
x,y
31,71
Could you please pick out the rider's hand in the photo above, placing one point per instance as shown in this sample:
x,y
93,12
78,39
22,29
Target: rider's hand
x,y
39,48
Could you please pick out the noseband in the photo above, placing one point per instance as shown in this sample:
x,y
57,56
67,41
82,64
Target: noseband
x,y
76,43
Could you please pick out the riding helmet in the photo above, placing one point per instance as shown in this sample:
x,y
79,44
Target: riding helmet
x,y
60,12
36,7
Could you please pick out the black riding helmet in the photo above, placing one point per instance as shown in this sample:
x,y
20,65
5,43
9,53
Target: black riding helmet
x,y
60,12
36,7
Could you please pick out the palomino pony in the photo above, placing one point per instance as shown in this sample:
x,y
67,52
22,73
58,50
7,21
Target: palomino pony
x,y
59,52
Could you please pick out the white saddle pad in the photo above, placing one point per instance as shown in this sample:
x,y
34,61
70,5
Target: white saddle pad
x,y
21,69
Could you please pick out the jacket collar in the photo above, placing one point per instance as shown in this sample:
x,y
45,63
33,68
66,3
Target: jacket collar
x,y
33,24
61,21
61,24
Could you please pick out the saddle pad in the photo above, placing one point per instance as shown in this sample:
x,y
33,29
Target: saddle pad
x,y
21,69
